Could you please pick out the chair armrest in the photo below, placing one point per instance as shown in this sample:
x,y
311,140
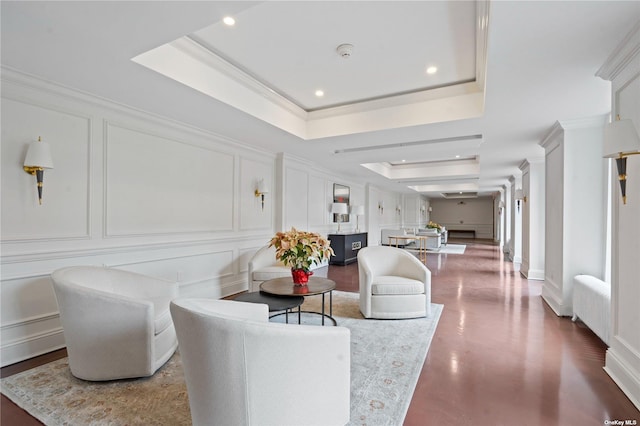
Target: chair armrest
x,y
264,257
409,266
305,364
258,312
141,286
93,323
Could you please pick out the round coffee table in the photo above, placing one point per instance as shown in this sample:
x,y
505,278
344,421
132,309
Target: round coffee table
x,y
284,287
274,303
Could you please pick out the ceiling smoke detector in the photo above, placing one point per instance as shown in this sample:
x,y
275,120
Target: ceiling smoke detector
x,y
345,50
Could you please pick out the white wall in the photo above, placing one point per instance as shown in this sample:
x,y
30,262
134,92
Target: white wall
x,y
308,194
414,211
381,212
575,207
475,214
138,192
515,243
533,219
623,357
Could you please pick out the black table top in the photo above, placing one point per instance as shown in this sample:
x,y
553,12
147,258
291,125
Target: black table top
x,y
275,303
285,287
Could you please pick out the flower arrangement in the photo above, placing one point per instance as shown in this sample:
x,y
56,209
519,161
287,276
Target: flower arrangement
x,y
434,225
301,249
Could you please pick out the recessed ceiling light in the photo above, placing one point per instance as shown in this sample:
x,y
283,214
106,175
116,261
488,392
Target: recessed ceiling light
x,y
457,156
228,20
319,93
404,161
432,70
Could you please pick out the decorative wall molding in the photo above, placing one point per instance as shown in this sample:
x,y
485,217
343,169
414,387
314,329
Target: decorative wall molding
x,y
27,321
12,76
551,295
622,361
13,133
122,249
128,206
621,373
622,57
32,346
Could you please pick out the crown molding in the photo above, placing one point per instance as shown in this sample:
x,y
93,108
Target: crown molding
x,y
623,55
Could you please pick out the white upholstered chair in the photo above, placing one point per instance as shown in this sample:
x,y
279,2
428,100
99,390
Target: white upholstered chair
x,y
240,369
264,266
394,284
116,323
434,238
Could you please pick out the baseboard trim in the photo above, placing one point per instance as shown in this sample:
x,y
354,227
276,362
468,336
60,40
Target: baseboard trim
x,y
623,376
552,295
31,347
533,274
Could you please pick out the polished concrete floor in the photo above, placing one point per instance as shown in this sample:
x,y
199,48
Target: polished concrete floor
x,y
500,356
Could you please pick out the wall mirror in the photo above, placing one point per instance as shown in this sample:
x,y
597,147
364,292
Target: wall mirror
x,y
340,195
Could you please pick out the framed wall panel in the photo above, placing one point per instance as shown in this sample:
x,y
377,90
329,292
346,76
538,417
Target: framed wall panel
x,y
156,185
65,210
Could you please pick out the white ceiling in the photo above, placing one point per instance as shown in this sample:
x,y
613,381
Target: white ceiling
x,y
538,66
291,47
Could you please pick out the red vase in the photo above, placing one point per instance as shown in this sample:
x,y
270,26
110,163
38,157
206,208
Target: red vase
x,y
300,276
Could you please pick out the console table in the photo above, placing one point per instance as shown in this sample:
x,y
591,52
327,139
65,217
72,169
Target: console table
x,y
346,247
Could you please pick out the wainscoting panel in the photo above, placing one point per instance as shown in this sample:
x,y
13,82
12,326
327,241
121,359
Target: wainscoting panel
x,y
296,198
319,202
65,210
197,184
253,215
37,290
28,329
187,269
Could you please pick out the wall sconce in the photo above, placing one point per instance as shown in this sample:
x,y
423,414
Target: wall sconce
x,y
519,196
500,207
422,210
339,209
357,211
37,159
430,209
260,191
381,207
398,209
620,141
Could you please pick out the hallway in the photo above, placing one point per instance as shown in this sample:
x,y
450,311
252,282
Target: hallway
x,y
500,355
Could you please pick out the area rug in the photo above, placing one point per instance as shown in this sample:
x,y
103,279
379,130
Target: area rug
x,y
387,357
449,249
444,249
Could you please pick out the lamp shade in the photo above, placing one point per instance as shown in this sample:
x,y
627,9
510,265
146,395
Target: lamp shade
x,y
262,187
620,136
339,208
519,195
357,210
39,155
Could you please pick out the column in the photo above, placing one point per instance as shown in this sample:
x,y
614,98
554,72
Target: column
x,y
533,210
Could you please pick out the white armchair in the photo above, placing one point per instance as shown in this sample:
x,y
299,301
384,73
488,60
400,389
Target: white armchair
x,y
386,233
116,323
434,239
394,284
264,266
240,369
